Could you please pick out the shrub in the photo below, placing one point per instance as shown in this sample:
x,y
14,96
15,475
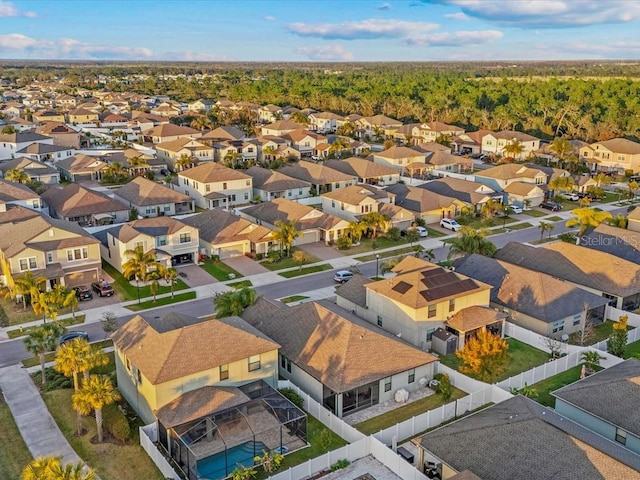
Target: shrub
x,y
259,256
344,463
344,243
273,256
444,385
568,237
291,395
215,258
394,234
4,320
116,423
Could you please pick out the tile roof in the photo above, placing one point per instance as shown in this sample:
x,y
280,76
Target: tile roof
x,y
608,395
74,200
141,191
211,172
315,173
274,181
360,167
334,347
474,317
520,439
218,226
170,354
12,191
589,268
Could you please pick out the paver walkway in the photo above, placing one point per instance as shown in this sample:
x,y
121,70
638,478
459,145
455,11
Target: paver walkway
x,y
36,425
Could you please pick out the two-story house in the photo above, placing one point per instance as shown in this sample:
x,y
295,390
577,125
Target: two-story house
x,y
496,142
615,155
269,184
172,241
172,150
168,132
377,126
12,193
324,122
471,193
58,250
432,131
11,143
82,116
36,170
152,199
214,185
430,206
44,152
366,171
62,134
280,127
399,158
322,178
520,182
269,113
87,207
304,141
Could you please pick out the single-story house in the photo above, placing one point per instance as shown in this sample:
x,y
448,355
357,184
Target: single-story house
x,y
152,199
430,206
87,207
81,167
38,171
365,170
269,184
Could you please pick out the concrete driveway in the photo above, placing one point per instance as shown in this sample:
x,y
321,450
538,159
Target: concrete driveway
x,y
321,251
195,276
245,265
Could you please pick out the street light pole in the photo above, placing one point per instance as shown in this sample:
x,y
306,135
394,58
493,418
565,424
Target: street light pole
x,y
377,260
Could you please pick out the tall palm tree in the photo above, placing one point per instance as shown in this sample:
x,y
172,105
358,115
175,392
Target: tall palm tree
x,y
338,146
138,265
357,230
46,303
545,227
71,360
183,163
153,279
115,171
51,468
228,304
41,340
171,277
25,284
201,123
561,148
95,393
17,175
587,217
231,159
470,240
71,300
285,234
76,471
376,221
137,165
513,149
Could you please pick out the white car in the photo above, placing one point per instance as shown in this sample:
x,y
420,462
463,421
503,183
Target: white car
x,y
450,224
515,209
422,231
570,196
343,276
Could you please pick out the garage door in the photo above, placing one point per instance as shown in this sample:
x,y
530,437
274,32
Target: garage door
x,y
80,278
230,251
310,236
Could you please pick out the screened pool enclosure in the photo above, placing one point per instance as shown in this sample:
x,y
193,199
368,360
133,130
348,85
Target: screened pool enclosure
x,y
210,431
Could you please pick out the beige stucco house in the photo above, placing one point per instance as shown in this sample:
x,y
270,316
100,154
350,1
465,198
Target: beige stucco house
x,y
399,158
214,185
615,155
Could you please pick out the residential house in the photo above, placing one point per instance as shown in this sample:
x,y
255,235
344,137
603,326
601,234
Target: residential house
x,y
280,128
36,170
48,116
173,242
269,184
214,185
399,158
599,272
15,213
524,194
63,135
13,109
519,438
322,178
377,126
534,300
404,134
471,193
615,155
151,199
201,105
81,167
58,250
237,152
166,109
304,141
44,152
337,358
366,171
82,116
21,124
634,220
312,225
174,149
445,161
168,132
620,242
584,183
66,101
114,120
136,161
269,113
600,402
227,235
430,206
222,134
12,193
420,298
433,131
496,142
500,176
11,143
324,122
469,142
87,207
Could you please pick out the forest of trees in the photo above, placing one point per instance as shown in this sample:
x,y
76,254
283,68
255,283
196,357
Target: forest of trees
x,y
588,101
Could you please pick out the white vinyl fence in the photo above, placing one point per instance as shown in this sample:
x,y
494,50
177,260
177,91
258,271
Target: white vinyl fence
x,y
149,435
542,372
458,380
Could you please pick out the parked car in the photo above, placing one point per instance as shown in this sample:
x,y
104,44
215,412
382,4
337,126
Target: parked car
x,y
515,209
102,288
450,224
343,276
423,232
83,293
67,337
570,196
553,206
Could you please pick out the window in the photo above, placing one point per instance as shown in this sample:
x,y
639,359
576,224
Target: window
x,y
246,196
49,257
77,254
166,208
36,204
185,237
140,245
224,372
254,363
149,210
248,183
28,263
207,188
412,375
224,186
333,204
232,197
558,326
379,320
577,318
432,311
387,384
621,436
430,334
161,241
285,363
452,304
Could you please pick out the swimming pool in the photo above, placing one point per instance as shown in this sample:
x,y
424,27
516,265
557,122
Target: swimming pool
x,y
215,467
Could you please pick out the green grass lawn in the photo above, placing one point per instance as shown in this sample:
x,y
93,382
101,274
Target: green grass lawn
x,y
293,298
401,414
16,315
545,387
288,262
554,218
369,244
523,357
520,226
321,440
219,270
14,455
67,322
179,297
435,233
632,350
535,213
600,332
387,254
306,270
241,284
479,223
126,291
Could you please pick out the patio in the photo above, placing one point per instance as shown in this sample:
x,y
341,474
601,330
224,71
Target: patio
x,y
388,406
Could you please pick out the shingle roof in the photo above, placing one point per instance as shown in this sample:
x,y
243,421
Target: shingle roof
x,y
170,130
213,172
12,191
31,167
153,227
218,226
22,137
526,291
355,194
515,135
589,268
315,173
186,350
354,290
180,143
616,241
74,200
289,211
80,163
141,191
224,133
42,149
463,190
507,171
620,145
474,317
283,125
520,439
417,199
521,188
609,395
400,152
336,348
360,167
274,181
17,213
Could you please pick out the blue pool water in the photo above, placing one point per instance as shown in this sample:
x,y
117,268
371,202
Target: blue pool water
x,y
213,467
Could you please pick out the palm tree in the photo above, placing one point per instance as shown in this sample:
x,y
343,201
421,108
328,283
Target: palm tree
x,y
338,146
561,148
9,130
513,149
300,117
347,129
231,159
171,277
619,221
71,360
138,265
41,340
201,123
71,300
632,188
389,265
51,468
357,230
248,296
96,393
76,471
137,164
25,284
562,183
228,304
285,235
591,358
17,175
587,217
153,279
470,240
545,227
184,162
376,221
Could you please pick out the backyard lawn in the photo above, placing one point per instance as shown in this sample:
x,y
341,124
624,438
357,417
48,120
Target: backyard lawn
x,y
375,424
523,357
126,291
219,270
545,387
14,455
600,332
632,350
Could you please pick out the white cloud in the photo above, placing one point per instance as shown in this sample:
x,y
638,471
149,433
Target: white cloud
x,y
325,53
8,9
363,29
269,18
189,56
16,41
548,13
384,6
457,16
456,39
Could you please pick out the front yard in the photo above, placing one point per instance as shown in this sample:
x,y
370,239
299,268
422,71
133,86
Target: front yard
x,y
12,313
219,270
387,254
179,297
306,270
523,357
127,291
14,454
369,244
288,262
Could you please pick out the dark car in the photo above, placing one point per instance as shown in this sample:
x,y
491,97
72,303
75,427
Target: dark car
x,y
83,293
102,288
67,337
553,206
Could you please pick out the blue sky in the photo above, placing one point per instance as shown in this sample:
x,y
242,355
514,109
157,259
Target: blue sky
x,y
325,30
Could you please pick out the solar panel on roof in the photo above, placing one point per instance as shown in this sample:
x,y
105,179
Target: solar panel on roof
x,y
402,287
